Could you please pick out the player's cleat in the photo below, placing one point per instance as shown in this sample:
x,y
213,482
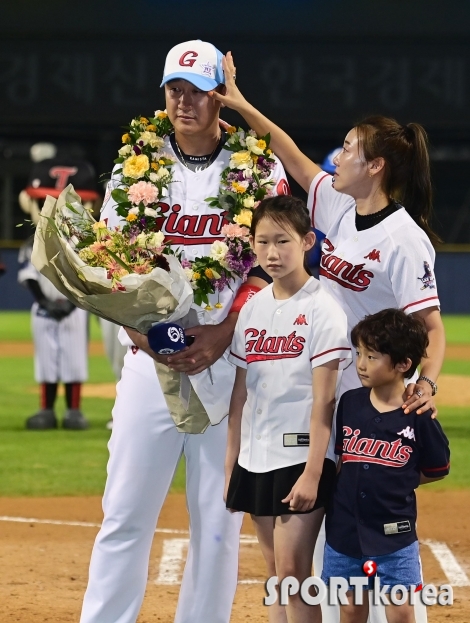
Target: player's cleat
x,y
44,419
74,420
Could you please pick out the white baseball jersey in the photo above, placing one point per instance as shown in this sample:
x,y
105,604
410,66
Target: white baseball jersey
x,y
60,348
192,226
279,342
388,265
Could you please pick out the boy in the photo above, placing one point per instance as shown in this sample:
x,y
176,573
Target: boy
x,y
384,456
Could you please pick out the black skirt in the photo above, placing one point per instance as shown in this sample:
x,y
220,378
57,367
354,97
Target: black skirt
x,y
261,494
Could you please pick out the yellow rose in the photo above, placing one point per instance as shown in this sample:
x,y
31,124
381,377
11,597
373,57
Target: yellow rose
x,y
240,160
249,202
151,128
244,218
231,130
135,166
209,274
150,138
262,144
144,120
238,188
196,276
269,151
154,166
131,217
126,138
162,115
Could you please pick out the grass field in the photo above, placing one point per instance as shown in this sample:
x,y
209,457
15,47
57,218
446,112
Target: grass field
x,y
74,463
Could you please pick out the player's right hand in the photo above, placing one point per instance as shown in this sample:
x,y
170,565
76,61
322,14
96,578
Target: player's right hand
x,y
233,97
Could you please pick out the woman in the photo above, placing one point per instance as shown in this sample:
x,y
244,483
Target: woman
x,y
376,254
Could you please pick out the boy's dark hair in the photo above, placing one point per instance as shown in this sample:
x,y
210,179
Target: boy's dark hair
x,y
394,333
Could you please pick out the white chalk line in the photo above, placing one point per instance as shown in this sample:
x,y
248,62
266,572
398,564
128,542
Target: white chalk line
x,y
449,564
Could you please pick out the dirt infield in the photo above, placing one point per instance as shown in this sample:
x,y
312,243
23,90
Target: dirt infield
x,y
43,570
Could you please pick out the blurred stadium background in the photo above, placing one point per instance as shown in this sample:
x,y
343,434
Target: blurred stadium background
x,y
75,73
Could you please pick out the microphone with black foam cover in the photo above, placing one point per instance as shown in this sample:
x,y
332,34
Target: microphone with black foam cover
x,y
167,338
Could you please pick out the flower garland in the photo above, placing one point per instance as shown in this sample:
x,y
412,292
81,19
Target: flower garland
x,y
147,173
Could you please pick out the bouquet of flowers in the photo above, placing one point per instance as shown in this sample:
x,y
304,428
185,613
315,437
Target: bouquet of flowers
x,y
90,263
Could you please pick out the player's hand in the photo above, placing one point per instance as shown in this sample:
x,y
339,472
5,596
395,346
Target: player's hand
x,y
303,494
141,341
210,343
232,97
418,396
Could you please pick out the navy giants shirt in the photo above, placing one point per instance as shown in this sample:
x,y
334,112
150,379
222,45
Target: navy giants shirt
x,y
373,510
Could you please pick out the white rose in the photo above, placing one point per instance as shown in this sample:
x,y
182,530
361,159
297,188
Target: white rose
x,y
162,173
249,202
252,145
141,240
156,240
153,177
189,273
134,211
150,212
150,138
218,250
125,150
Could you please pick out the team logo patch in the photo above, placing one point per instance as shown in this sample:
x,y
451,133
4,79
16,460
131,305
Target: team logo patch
x,y
374,255
301,320
428,278
208,70
408,432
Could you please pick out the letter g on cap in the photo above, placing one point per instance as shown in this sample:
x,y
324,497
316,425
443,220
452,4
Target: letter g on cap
x,y
188,59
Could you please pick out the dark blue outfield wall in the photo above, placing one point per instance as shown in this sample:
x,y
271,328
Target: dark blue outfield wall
x,y
452,276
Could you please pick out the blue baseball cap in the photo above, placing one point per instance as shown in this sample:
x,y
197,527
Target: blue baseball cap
x,y
198,62
328,165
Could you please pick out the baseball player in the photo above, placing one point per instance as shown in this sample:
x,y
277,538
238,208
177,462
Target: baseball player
x,y
384,455
281,412
375,253
60,330
145,445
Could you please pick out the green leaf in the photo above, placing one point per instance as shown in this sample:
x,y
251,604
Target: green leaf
x,y
71,208
119,195
260,193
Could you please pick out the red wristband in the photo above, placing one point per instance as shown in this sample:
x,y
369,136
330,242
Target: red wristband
x,y
244,294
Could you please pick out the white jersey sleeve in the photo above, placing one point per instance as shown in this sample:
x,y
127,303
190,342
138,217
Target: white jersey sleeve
x,y
329,334
324,203
412,271
281,186
237,349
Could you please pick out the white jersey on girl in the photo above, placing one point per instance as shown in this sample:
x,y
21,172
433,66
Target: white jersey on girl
x,y
279,343
388,265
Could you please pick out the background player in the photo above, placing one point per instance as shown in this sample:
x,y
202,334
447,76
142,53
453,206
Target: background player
x,y
145,445
384,458
280,412
59,329
375,251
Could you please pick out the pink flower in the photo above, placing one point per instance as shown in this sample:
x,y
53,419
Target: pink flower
x,y
235,231
143,192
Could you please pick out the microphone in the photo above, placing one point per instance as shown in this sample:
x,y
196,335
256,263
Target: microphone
x,y
167,338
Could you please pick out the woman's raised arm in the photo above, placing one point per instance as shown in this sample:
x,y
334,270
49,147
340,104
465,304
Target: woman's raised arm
x,y
296,163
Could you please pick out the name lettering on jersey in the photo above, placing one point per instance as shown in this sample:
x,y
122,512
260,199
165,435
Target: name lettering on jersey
x,y
353,277
408,432
368,450
190,228
188,58
301,319
428,278
62,174
260,347
374,255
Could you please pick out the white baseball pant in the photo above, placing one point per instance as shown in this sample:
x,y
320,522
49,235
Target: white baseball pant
x,y
144,451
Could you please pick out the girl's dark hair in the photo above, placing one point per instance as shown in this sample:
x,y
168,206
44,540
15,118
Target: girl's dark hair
x,y
394,333
407,177
286,211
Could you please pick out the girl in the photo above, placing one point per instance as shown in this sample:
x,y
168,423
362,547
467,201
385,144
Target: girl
x,y
281,412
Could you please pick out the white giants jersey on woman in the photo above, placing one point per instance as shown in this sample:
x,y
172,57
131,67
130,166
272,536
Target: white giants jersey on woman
x,y
388,265
279,343
192,226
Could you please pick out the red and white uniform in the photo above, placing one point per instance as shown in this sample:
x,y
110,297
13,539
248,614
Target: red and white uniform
x,y
145,447
388,265
279,343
